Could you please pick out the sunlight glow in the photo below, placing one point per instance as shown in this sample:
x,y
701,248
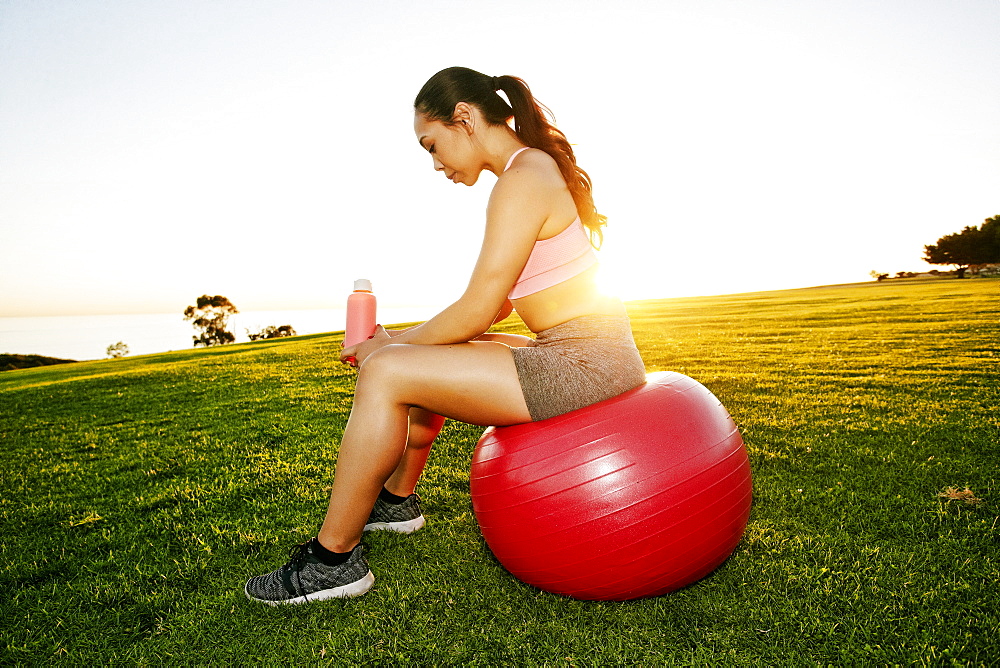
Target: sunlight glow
x,y
266,153
610,283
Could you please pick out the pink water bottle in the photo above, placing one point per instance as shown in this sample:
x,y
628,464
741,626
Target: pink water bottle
x,y
360,313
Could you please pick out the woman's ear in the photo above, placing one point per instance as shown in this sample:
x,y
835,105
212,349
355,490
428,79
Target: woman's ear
x,y
464,116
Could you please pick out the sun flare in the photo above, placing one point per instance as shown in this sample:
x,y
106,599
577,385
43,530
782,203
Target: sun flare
x,y
610,283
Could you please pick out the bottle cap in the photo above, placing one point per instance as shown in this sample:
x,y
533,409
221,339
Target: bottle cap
x,y
363,284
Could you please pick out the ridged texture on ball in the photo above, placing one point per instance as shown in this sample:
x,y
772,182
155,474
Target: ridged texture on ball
x,y
635,496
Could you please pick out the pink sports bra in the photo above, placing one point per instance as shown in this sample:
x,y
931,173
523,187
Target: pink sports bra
x,y
555,259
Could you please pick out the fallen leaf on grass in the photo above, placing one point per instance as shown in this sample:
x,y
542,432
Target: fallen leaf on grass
x,y
955,494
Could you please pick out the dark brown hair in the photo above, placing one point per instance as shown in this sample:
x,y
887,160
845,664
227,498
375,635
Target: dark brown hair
x,y
437,100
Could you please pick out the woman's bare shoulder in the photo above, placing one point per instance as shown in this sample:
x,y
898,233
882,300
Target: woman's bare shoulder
x,y
526,194
533,172
537,162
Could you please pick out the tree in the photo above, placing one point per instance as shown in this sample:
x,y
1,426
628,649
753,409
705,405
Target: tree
x,y
117,350
969,248
210,315
991,237
271,332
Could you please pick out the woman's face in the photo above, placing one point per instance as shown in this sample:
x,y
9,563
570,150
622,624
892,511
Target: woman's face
x,y
451,148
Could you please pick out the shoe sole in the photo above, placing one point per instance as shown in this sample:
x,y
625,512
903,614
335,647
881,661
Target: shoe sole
x,y
356,588
409,526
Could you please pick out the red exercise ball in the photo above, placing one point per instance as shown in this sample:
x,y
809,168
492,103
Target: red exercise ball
x,y
631,497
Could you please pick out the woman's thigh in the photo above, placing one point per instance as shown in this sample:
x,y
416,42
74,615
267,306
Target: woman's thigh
x,y
472,382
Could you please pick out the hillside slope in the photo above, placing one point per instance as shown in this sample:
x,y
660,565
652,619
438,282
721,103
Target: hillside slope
x,y
139,493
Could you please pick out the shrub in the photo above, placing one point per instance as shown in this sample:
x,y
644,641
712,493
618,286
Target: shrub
x,y
271,332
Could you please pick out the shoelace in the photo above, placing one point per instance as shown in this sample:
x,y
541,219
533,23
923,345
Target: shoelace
x,y
297,556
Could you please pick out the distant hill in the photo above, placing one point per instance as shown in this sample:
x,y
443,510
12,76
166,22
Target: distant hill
x,y
11,362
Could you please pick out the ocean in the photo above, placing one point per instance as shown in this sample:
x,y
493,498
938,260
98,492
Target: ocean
x,y
87,337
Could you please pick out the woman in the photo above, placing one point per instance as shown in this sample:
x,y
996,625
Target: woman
x,y
536,257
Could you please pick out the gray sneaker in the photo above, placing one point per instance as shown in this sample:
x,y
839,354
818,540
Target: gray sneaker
x,y
402,517
305,578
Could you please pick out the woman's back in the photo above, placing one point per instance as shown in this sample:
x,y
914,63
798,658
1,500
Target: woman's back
x,y
557,301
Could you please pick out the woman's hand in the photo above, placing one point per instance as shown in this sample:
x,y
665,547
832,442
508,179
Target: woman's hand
x,y
358,353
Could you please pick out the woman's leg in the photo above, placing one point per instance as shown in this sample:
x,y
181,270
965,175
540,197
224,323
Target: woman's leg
x,y
472,382
424,427
512,340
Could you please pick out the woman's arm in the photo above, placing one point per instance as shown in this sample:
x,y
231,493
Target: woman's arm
x,y
518,207
503,314
511,229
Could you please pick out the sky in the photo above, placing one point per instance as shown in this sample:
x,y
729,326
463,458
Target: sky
x,y
151,152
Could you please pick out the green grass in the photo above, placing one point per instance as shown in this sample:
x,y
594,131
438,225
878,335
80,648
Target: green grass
x,y
139,494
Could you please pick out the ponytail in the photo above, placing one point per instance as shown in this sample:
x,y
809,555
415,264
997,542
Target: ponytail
x,y
437,100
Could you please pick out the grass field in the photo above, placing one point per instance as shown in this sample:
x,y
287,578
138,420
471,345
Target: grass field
x,y
139,494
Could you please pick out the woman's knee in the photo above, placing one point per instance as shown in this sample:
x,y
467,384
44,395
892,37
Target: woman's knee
x,y
381,361
382,369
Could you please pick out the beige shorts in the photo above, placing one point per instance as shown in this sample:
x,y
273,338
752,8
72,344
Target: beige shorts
x,y
578,363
